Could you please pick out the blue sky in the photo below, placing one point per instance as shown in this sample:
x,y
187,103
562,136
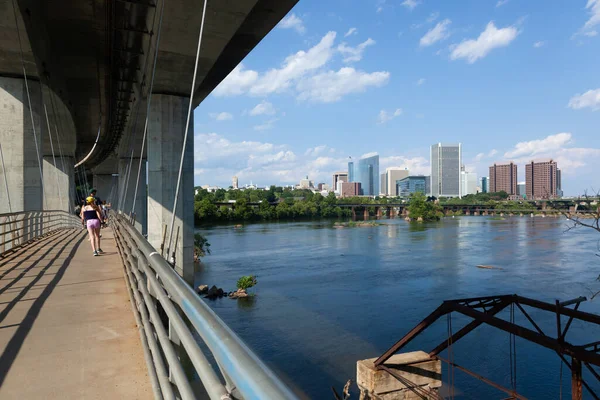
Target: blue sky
x,y
511,80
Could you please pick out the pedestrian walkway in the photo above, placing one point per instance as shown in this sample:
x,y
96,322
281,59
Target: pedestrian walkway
x,y
67,330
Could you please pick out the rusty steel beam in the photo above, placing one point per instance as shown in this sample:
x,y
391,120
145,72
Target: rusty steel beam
x,y
564,333
468,328
512,393
576,388
530,319
430,319
528,334
584,316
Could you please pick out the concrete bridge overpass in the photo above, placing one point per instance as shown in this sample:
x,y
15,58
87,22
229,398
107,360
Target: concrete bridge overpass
x,y
81,81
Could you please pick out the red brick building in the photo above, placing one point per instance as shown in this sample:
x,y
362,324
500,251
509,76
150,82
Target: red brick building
x,y
503,177
350,189
541,179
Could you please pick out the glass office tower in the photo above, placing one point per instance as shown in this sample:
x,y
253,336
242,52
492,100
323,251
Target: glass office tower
x,y
365,171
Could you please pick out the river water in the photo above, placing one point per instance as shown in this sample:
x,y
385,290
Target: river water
x,y
328,297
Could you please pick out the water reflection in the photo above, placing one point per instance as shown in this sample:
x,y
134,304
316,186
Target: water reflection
x,y
327,297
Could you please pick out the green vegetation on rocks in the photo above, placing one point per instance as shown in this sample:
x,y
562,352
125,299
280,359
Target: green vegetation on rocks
x,y
422,210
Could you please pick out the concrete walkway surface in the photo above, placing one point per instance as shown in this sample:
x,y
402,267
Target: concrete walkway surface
x,y
67,330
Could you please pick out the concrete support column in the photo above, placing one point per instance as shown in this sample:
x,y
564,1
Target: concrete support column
x,y
141,201
165,140
107,187
59,183
19,145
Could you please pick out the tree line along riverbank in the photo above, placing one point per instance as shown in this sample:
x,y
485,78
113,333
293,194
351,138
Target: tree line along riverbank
x,y
280,203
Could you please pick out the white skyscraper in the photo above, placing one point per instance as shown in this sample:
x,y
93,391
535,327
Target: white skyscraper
x,y
446,160
234,182
468,183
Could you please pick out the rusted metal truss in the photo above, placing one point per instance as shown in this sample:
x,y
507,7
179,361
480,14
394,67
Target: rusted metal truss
x,y
483,310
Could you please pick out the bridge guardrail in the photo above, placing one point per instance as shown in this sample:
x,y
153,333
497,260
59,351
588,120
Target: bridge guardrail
x,y
154,286
20,228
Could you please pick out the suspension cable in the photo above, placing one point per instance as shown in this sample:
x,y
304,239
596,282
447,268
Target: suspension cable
x,y
62,155
187,126
52,148
37,150
5,179
148,101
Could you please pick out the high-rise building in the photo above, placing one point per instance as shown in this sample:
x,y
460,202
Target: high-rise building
x,y
468,183
446,161
234,182
383,185
503,178
350,189
306,183
521,189
366,172
392,175
339,177
559,191
485,181
411,184
541,179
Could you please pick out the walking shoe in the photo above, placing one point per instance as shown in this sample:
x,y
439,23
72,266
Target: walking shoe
x,y
100,251
95,253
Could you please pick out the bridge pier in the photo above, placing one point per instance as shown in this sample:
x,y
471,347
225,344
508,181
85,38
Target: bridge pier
x,y
166,127
107,187
19,145
353,214
141,202
366,214
378,212
59,182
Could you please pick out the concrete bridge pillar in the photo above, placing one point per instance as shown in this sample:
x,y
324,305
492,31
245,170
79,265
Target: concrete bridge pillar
x,y
107,187
21,159
59,182
126,191
165,140
366,214
353,214
378,212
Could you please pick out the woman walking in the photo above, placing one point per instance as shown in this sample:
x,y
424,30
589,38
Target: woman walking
x,y
91,216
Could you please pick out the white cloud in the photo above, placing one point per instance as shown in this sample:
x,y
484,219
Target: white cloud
x,y
315,151
292,22
217,159
415,165
420,81
331,86
237,82
263,108
489,39
294,67
541,146
437,33
539,44
384,116
222,116
479,157
410,4
369,154
267,125
354,54
500,3
590,99
593,7
303,74
351,31
433,16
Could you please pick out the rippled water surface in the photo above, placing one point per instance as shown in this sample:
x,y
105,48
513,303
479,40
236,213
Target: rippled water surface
x,y
328,297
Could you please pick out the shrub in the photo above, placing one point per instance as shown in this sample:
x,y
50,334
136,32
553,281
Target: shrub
x,y
246,282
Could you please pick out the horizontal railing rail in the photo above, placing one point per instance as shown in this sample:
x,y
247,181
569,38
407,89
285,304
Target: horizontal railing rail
x,y
20,228
170,314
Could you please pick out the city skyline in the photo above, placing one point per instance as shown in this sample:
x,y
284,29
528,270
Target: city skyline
x,y
271,123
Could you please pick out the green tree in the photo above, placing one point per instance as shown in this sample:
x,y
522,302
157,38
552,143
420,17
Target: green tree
x,y
419,207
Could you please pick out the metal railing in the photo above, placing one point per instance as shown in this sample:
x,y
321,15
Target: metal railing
x,y
20,228
163,304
